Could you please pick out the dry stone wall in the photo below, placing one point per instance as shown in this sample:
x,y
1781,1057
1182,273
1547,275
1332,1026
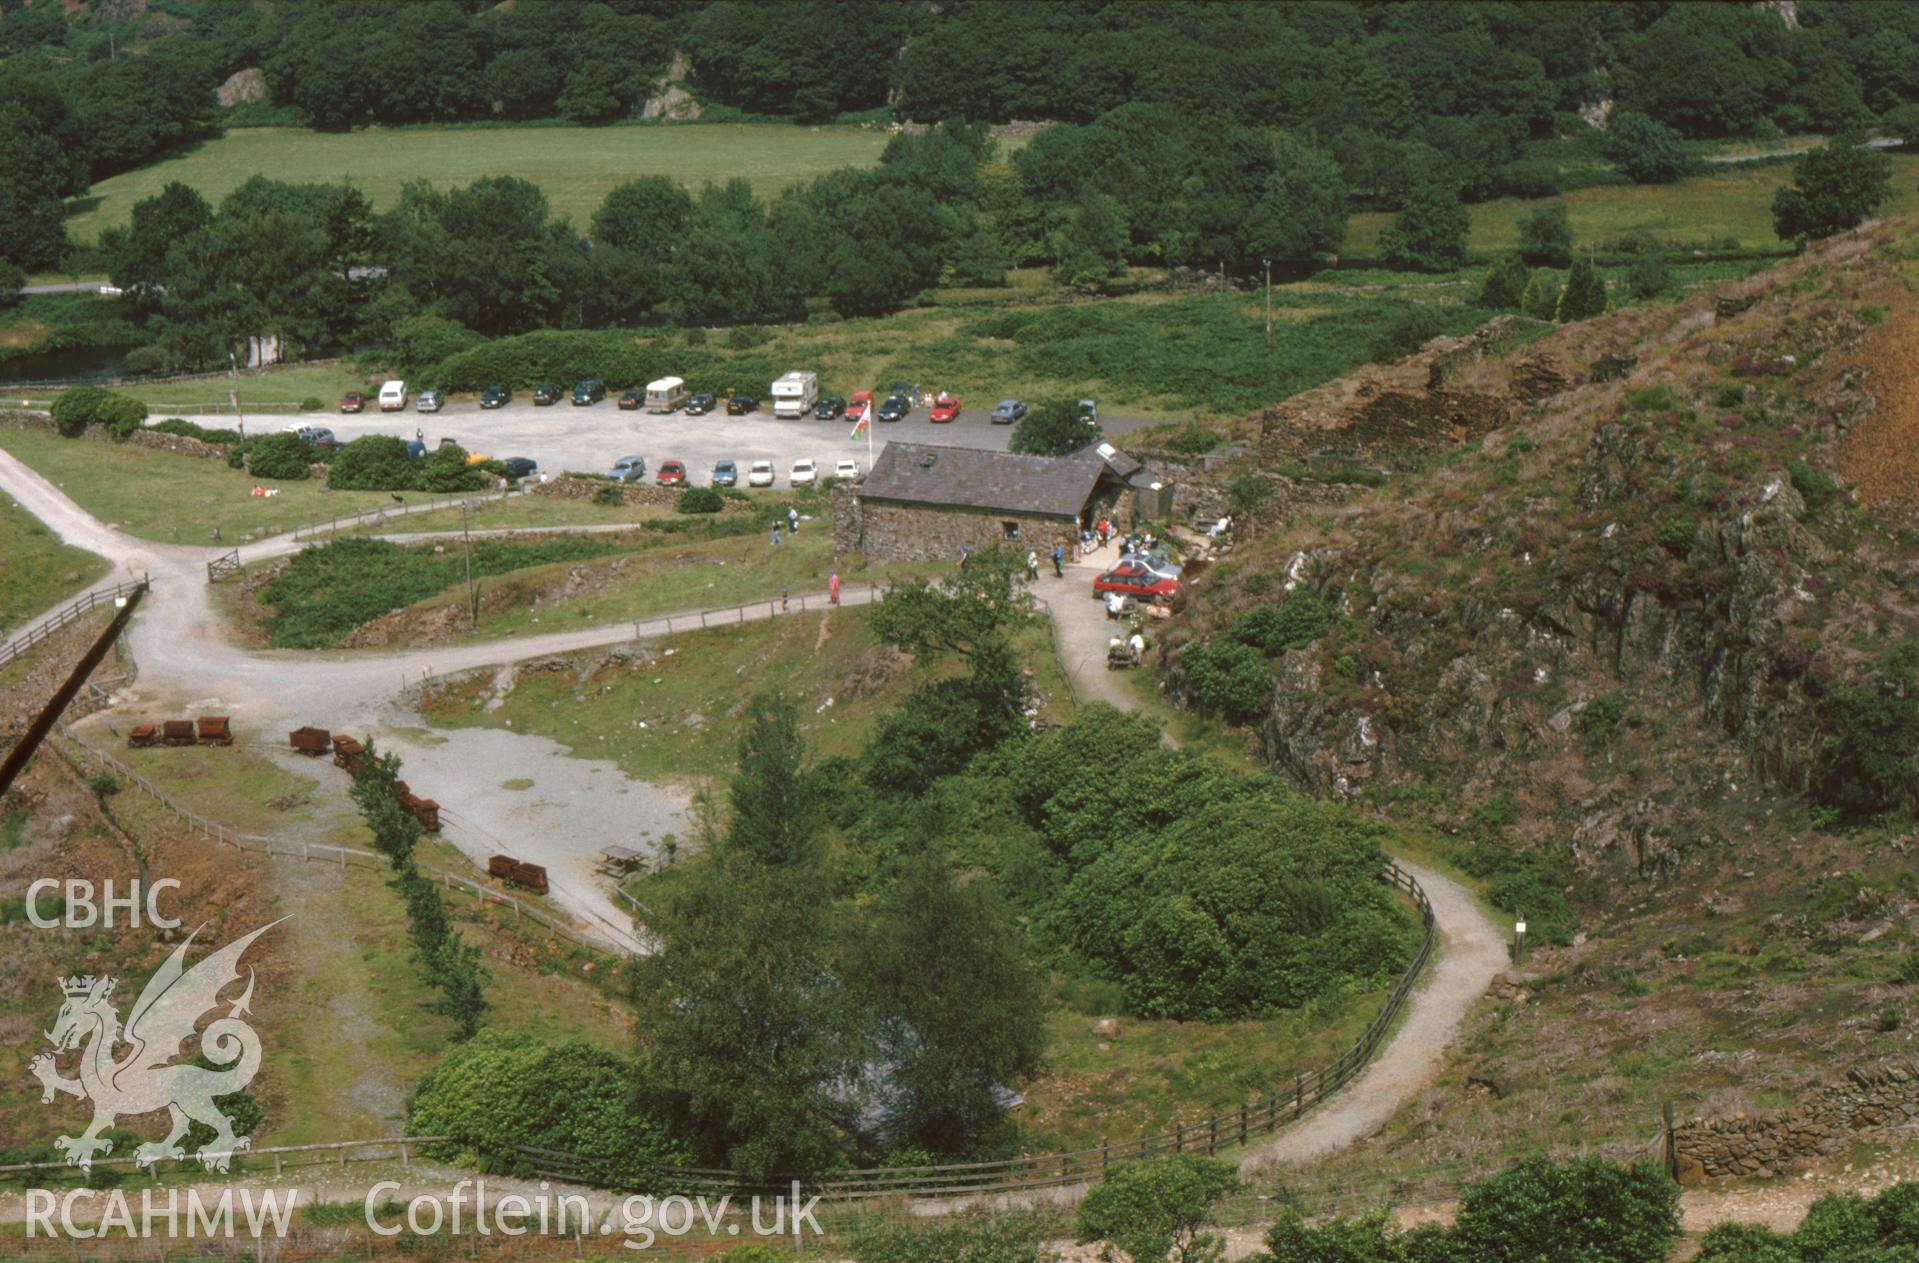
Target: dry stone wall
x,y
891,532
1873,1102
179,444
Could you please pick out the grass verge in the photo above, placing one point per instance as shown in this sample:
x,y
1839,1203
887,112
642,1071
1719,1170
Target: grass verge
x,y
39,570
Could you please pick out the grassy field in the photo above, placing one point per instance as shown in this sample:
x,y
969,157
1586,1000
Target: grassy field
x,y
1732,202
520,512
289,385
676,715
39,570
175,499
576,166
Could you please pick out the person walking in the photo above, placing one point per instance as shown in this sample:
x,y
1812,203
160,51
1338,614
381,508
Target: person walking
x,y
776,532
793,519
966,551
833,587
783,595
1032,564
1059,569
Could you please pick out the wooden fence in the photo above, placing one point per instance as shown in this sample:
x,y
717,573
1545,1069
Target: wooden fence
x,y
1052,1170
331,1153
381,513
45,626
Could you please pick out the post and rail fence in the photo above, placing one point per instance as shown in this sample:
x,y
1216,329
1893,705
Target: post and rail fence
x,y
47,624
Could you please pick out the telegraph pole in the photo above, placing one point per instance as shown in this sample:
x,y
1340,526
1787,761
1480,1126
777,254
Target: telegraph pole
x,y
1269,301
472,597
233,396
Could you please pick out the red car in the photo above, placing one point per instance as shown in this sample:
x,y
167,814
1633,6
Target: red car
x,y
672,473
859,404
630,401
352,401
945,408
1137,578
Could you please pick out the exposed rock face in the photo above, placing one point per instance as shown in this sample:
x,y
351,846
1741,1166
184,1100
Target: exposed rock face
x,y
242,86
669,100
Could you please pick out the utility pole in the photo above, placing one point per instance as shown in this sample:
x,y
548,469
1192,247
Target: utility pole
x,y
233,396
472,597
1269,301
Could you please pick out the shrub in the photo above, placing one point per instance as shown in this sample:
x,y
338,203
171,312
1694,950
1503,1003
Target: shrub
x,y
1273,630
1599,722
1540,299
423,341
1584,296
1429,232
1406,331
312,403
1248,492
286,457
76,409
499,1091
699,500
967,1238
103,785
373,462
1228,678
1645,152
611,494
142,360
1546,236
1815,487
1152,1211
1194,440
1649,277
1676,535
188,430
1053,429
1505,284
1578,1211
1528,178
11,279
445,470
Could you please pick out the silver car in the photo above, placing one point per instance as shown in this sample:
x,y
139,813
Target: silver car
x,y
1008,411
431,401
628,469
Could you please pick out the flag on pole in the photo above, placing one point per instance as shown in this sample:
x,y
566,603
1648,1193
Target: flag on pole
x,y
858,427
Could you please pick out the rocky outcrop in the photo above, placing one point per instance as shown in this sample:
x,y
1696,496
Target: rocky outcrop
x,y
241,87
670,102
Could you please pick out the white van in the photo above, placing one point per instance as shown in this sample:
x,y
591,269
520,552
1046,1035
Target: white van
x,y
393,397
669,394
794,394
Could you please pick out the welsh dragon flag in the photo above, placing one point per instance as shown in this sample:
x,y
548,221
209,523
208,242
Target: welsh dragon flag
x,y
859,427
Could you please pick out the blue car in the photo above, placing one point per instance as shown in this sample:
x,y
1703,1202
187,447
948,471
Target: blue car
x,y
628,469
725,474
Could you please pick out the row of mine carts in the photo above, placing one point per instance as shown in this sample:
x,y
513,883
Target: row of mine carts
x,y
207,730
350,753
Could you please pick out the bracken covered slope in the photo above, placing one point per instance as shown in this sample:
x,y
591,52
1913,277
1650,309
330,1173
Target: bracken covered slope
x,y
1635,576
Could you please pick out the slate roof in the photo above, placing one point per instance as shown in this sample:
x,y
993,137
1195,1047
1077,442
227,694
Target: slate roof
x,y
999,482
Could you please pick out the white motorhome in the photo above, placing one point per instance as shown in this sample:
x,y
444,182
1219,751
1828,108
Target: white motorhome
x,y
795,393
669,394
392,396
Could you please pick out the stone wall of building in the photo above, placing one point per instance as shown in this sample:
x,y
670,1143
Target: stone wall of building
x,y
1872,1102
892,532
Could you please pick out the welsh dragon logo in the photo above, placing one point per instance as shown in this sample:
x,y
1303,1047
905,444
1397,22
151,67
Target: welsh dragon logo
x,y
146,1077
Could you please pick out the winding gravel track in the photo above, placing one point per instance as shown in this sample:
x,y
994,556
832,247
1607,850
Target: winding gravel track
x,y
582,805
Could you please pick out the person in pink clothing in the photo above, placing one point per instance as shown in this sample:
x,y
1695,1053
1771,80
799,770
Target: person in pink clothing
x,y
833,587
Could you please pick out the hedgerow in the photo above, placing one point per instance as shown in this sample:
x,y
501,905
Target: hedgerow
x,y
76,409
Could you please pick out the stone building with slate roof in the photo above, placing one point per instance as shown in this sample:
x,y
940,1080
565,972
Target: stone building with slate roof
x,y
923,502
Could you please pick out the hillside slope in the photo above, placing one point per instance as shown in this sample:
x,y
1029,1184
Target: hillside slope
x,y
1615,583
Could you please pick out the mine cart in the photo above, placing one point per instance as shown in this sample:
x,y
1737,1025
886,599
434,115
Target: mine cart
x,y
312,742
177,732
143,735
214,730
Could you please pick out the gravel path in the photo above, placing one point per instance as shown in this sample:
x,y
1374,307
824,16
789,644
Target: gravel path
x,y
1472,951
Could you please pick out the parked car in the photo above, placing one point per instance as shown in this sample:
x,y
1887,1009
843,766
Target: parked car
x,y
588,392
672,474
1009,412
631,400
701,404
1089,412
859,405
760,474
521,466
352,401
725,473
830,407
393,396
740,405
544,395
628,469
430,401
1138,578
847,471
895,408
945,408
805,473
496,397
318,435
